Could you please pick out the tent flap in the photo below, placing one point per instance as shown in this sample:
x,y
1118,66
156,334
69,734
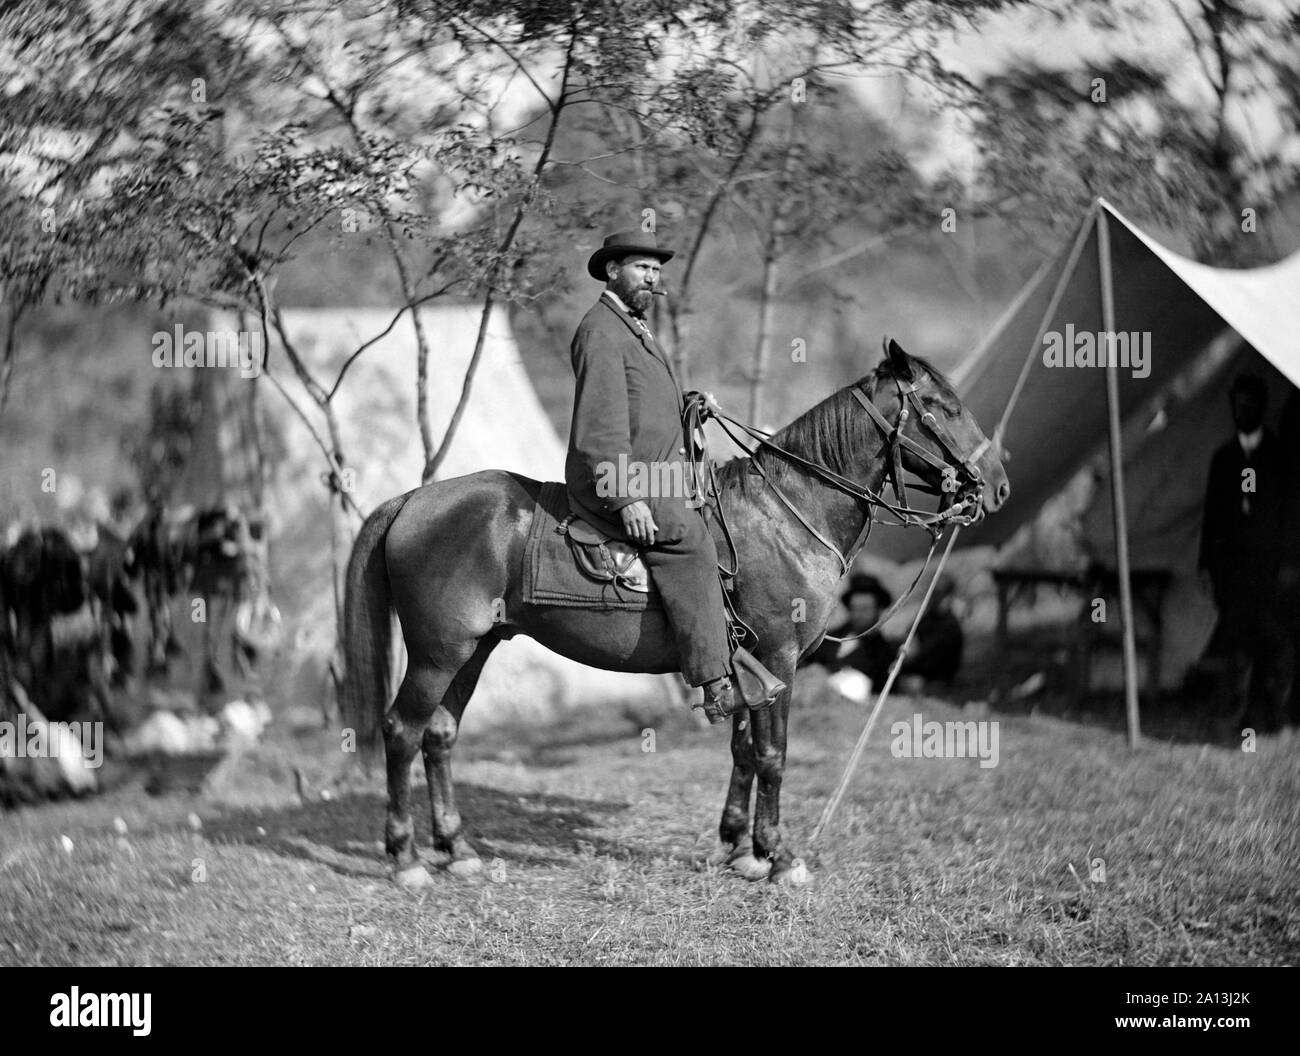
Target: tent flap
x,y
1167,309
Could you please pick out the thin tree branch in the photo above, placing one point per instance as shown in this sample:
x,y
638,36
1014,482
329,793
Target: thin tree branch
x,y
441,291
489,298
10,351
550,104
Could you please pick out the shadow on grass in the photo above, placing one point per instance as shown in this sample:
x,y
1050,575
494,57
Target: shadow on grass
x,y
558,744
1196,713
345,834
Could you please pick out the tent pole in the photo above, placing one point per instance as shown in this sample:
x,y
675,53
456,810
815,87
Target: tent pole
x,y
1117,480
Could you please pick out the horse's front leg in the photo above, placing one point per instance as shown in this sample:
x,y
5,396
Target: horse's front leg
x,y
769,732
734,829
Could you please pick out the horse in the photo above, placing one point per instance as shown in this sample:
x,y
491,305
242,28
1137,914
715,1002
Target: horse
x,y
213,554
447,558
58,644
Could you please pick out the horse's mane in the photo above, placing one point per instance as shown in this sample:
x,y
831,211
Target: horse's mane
x,y
835,433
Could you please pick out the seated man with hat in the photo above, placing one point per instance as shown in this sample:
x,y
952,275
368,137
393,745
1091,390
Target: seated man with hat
x,y
866,599
628,403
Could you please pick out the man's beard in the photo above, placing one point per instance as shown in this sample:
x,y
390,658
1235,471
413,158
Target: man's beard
x,y
1249,421
633,294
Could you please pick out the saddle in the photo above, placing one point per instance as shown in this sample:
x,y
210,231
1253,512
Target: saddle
x,y
601,557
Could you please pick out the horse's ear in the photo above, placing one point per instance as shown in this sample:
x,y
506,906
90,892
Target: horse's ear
x,y
898,359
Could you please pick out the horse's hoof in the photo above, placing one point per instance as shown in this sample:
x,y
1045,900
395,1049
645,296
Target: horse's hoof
x,y
413,878
465,868
742,860
794,874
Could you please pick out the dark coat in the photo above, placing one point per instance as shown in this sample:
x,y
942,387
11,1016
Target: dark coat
x,y
1241,532
872,654
939,643
627,402
1288,435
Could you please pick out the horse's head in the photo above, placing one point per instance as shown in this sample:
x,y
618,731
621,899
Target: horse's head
x,y
939,440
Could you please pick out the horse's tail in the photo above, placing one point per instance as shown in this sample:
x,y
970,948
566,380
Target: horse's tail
x,y
368,631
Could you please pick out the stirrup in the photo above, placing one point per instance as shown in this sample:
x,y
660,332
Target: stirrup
x,y
755,684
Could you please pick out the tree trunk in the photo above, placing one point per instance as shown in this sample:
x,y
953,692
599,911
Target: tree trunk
x,y
409,295
340,479
342,535
431,466
766,310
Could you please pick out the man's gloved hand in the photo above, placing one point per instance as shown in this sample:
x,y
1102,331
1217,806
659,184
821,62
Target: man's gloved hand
x,y
639,523
709,401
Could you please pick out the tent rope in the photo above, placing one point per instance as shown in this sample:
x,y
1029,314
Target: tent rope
x,y
837,796
1058,294
846,776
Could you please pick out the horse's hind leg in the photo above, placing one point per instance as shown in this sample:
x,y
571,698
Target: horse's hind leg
x,y
439,739
422,689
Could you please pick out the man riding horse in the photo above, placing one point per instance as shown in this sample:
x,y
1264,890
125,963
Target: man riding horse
x,y
627,411
449,557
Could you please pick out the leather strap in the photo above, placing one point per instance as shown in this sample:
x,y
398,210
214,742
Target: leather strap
x,y
697,411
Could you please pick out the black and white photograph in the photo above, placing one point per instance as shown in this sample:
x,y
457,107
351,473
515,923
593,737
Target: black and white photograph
x,y
741,483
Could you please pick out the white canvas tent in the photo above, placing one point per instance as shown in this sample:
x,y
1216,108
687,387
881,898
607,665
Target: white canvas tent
x,y
1111,277
504,427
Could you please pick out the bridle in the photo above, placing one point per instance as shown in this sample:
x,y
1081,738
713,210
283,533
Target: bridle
x,y
971,479
699,409
968,464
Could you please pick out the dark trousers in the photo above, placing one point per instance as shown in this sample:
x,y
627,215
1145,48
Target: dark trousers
x,y
1252,636
684,567
1291,630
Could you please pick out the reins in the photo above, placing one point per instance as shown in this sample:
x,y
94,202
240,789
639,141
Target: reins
x,y
699,410
898,604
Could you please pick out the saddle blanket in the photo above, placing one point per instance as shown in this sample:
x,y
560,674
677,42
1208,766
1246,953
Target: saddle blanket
x,y
551,575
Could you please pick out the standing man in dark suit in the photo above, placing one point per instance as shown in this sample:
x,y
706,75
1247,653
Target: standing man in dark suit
x,y
627,425
1241,552
1288,432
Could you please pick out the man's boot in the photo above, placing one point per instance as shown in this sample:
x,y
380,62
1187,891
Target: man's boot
x,y
719,701
751,686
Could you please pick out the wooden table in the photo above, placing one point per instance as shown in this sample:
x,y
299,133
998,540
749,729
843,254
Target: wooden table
x,y
1098,581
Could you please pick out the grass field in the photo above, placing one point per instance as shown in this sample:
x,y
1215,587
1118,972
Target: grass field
x,y
601,853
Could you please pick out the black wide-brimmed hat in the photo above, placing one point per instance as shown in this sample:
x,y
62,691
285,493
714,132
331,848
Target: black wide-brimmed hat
x,y
623,244
1249,382
864,583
